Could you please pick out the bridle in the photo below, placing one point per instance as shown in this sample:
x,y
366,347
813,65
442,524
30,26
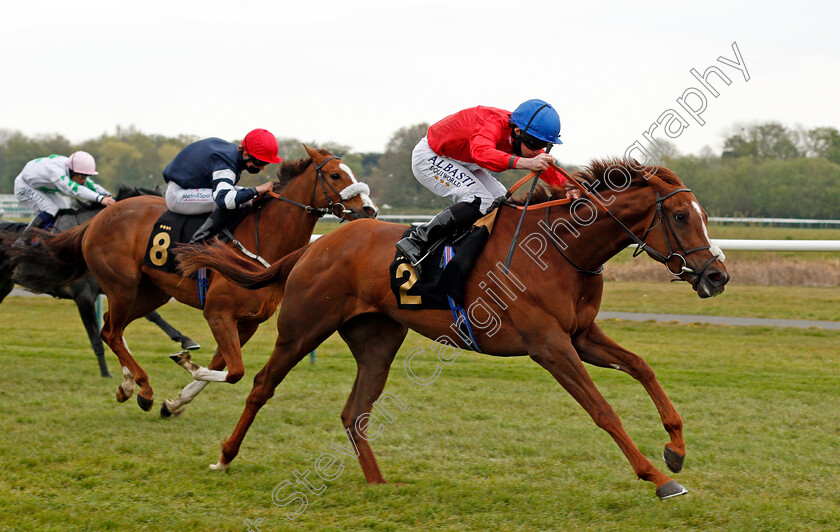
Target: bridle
x,y
657,221
641,245
666,259
336,208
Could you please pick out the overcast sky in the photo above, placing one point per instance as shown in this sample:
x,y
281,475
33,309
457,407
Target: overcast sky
x,y
354,72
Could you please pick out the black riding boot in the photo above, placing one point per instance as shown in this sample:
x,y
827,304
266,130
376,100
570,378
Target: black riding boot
x,y
416,245
41,221
213,224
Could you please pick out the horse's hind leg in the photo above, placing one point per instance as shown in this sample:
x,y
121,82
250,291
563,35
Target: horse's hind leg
x,y
173,333
598,349
374,340
561,360
84,293
6,281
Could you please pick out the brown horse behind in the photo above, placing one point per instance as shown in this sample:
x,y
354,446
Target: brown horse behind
x,y
113,244
544,307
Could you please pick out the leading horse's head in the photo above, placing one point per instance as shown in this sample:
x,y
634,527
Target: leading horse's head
x,y
334,188
678,235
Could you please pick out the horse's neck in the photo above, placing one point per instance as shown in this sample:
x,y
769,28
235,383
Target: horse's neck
x,y
71,218
592,243
283,226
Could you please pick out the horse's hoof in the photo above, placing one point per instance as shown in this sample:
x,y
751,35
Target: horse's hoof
x,y
189,344
145,404
106,375
122,395
220,466
673,459
165,411
670,489
178,358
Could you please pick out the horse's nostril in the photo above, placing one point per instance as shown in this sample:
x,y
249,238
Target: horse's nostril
x,y
370,212
719,278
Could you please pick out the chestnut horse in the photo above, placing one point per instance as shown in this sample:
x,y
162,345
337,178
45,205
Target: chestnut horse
x,y
113,244
544,306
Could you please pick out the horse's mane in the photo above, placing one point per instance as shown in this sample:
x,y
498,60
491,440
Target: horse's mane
x,y
595,173
131,191
291,169
593,176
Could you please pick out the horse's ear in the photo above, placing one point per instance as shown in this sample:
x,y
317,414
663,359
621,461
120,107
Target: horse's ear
x,y
313,154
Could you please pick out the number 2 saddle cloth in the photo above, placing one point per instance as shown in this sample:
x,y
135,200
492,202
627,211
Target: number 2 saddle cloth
x,y
439,277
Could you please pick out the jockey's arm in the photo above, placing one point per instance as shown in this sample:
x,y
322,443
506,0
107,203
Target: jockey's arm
x,y
69,187
104,197
226,194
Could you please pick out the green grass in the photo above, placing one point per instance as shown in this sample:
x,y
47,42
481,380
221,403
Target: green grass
x,y
781,302
491,444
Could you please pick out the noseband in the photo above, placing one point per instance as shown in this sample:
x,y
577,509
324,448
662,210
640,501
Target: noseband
x,y
641,245
335,208
657,221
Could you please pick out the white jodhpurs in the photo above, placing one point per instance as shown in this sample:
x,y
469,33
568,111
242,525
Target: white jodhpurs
x,y
453,179
189,200
38,200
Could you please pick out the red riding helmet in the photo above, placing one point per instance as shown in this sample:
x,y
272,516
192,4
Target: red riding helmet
x,y
262,144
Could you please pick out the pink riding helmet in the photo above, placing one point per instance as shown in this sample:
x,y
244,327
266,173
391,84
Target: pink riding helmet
x,y
82,162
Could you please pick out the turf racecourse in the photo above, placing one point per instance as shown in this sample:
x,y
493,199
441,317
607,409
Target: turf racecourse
x,y
490,444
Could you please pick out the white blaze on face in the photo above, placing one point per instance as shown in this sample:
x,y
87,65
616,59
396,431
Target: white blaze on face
x,y
348,171
714,249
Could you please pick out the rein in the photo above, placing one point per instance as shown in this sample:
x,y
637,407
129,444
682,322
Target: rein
x,y
335,208
332,208
641,245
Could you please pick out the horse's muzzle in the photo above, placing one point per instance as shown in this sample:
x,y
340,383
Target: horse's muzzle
x,y
712,281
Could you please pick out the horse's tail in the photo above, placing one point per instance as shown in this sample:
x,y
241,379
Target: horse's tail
x,y
56,260
234,267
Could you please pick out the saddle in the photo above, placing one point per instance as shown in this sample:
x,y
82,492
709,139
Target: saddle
x,y
445,270
173,228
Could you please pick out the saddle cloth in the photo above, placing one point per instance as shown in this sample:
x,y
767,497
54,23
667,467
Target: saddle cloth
x,y
437,282
172,228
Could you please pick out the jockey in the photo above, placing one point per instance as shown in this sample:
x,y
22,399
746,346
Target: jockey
x,y
43,182
454,157
203,176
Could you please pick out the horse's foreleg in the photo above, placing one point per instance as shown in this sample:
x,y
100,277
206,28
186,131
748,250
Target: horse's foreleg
x,y
598,349
199,373
191,390
224,328
173,333
374,341
564,364
87,311
175,406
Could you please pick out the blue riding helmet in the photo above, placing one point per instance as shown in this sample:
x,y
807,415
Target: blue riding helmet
x,y
538,119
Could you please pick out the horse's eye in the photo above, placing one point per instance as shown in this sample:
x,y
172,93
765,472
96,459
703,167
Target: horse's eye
x,y
335,176
680,217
